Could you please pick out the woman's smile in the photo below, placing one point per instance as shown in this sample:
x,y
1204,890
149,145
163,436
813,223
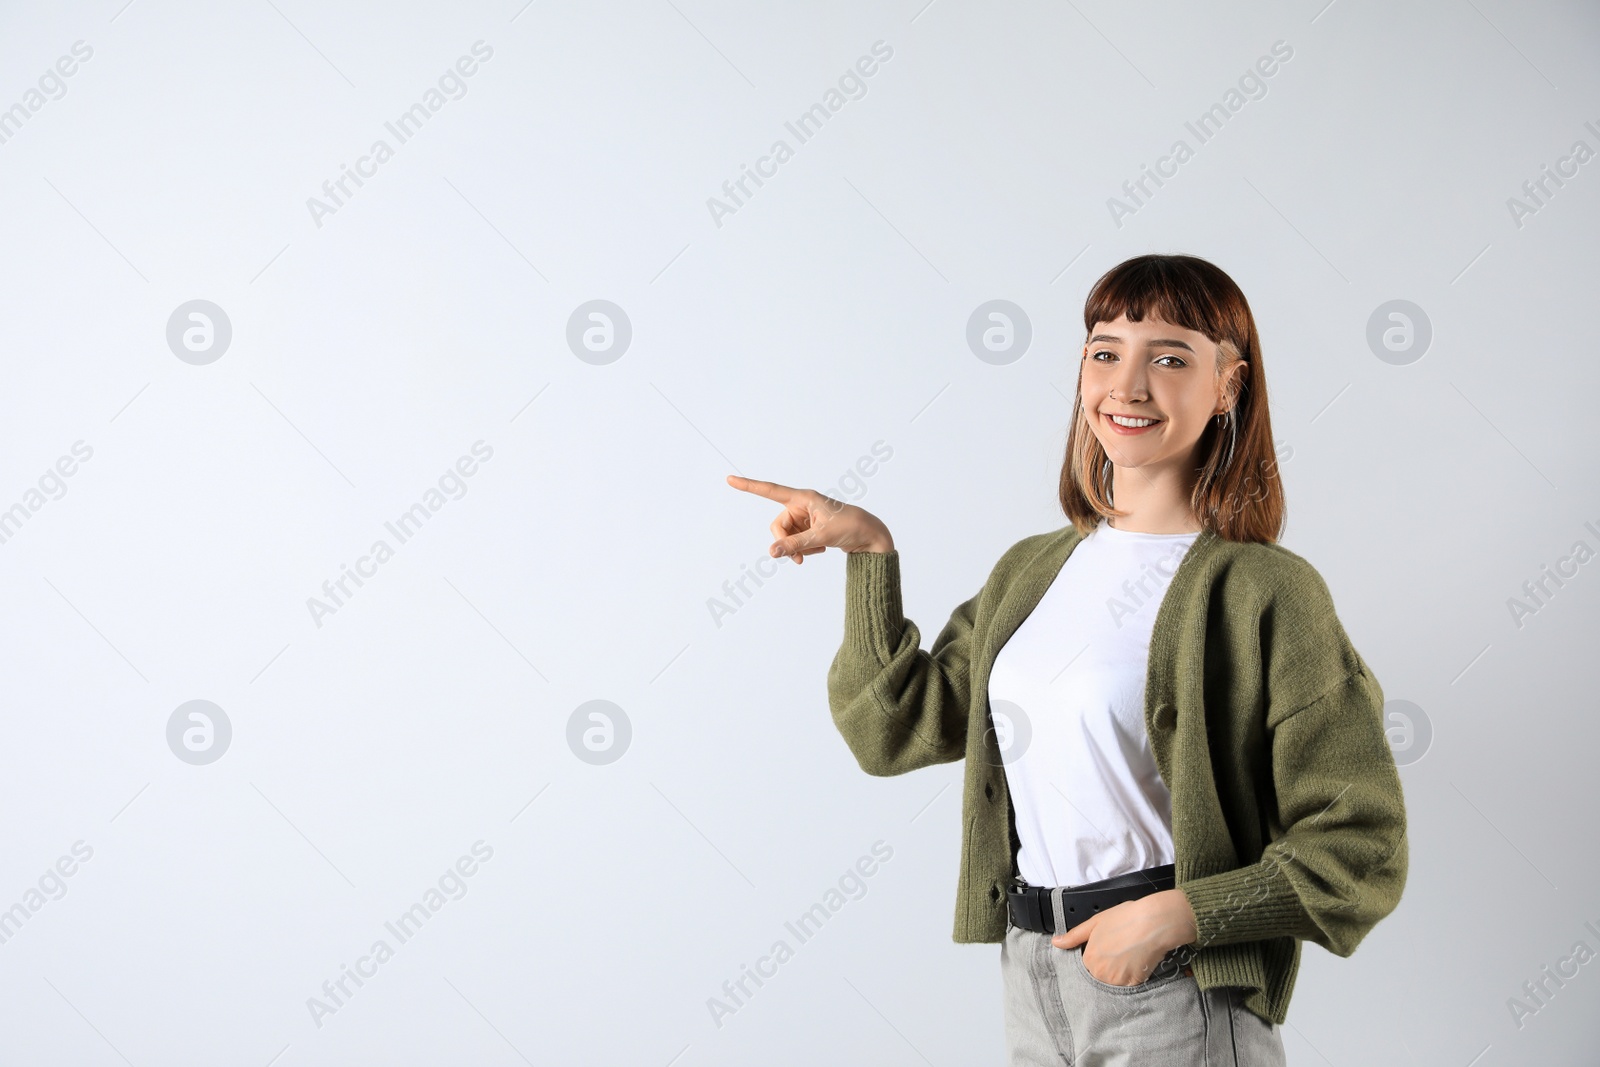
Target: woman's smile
x,y
1130,425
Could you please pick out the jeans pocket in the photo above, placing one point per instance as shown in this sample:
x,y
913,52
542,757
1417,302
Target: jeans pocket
x,y
1167,971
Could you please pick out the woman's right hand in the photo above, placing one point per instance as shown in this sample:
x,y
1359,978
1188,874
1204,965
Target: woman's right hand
x,y
812,522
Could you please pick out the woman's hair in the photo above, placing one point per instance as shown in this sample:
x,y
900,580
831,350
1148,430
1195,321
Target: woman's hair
x,y
1237,492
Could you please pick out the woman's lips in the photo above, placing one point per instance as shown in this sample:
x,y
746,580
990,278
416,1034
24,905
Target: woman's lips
x,y
1130,431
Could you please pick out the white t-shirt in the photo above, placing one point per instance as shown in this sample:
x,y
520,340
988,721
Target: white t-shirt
x,y
1067,695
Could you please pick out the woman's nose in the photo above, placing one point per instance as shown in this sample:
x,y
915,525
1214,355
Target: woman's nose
x,y
1129,385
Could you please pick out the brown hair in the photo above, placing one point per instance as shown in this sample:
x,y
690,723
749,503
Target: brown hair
x,y
1237,492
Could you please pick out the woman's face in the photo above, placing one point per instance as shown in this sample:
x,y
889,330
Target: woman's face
x,y
1150,370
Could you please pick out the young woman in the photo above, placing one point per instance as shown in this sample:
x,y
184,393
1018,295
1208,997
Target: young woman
x,y
1176,765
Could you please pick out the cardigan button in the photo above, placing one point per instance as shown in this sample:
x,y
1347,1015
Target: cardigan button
x,y
994,892
988,790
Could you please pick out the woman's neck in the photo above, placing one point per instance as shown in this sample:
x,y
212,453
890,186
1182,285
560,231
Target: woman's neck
x,y
1151,501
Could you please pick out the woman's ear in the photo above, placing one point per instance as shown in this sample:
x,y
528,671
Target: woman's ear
x,y
1238,373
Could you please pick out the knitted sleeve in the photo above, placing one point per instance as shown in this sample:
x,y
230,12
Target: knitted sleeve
x,y
898,708
1341,862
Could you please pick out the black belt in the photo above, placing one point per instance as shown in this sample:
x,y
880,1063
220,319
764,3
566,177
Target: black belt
x,y
1038,908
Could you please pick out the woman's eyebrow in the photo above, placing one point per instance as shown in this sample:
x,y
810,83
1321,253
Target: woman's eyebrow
x,y
1155,343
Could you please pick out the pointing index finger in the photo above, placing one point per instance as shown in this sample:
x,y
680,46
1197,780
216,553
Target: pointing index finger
x,y
770,490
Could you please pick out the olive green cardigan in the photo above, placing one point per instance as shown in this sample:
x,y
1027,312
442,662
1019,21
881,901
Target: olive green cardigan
x,y
1288,821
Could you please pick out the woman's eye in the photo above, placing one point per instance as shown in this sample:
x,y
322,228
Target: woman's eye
x,y
1177,360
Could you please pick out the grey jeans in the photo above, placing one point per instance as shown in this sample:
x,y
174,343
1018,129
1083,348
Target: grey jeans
x,y
1059,1014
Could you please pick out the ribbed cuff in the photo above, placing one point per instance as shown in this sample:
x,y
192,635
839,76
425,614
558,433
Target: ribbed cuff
x,y
873,616
1246,904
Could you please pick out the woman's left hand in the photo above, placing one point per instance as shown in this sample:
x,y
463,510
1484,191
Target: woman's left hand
x,y
1128,940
